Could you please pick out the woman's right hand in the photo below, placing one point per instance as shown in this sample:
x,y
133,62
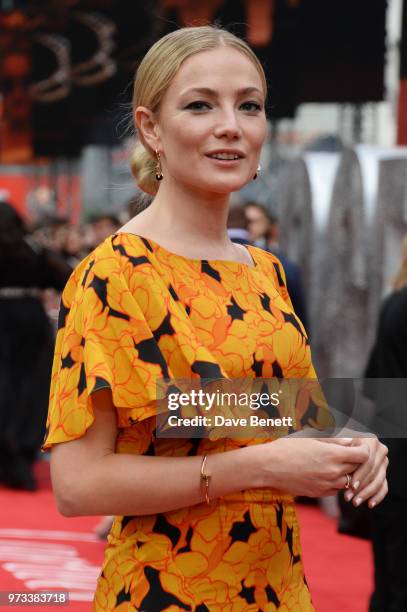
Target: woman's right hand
x,y
307,467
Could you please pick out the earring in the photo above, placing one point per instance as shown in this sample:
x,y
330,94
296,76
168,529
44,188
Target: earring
x,y
158,169
257,172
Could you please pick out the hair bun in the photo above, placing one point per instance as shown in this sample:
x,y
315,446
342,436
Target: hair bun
x,y
143,169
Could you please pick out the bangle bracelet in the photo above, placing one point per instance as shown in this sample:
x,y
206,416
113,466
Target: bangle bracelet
x,y
205,480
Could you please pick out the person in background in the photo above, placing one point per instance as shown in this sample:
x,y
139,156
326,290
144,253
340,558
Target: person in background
x,y
73,246
237,224
264,231
51,232
103,225
26,346
388,359
258,223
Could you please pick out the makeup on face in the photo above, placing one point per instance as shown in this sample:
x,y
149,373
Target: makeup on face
x,y
212,122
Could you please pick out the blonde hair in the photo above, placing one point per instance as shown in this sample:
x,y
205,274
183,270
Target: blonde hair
x,y
400,280
155,73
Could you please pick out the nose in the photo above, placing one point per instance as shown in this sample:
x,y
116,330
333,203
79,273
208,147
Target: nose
x,y
228,125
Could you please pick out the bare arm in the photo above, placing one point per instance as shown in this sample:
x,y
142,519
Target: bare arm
x,y
89,478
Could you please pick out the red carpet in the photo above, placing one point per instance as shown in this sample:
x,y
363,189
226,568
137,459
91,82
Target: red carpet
x,y
339,568
39,549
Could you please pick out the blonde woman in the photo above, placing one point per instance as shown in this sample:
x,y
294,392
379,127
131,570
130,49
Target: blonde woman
x,y
200,524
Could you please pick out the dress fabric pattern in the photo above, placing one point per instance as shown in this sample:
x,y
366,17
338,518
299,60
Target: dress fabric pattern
x,y
133,312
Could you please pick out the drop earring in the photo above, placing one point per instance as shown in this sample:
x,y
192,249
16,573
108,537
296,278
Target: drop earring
x,y
257,172
158,169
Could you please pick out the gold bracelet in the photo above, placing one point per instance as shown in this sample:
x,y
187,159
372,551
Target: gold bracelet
x,y
205,480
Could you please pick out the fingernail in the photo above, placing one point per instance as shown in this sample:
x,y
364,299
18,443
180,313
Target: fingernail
x,y
355,484
358,501
372,504
348,495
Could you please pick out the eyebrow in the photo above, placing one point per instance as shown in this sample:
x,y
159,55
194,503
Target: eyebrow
x,y
212,92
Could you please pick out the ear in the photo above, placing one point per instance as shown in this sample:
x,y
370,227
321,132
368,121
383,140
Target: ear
x,y
147,127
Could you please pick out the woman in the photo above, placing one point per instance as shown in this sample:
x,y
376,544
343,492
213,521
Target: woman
x,y
388,360
200,524
26,345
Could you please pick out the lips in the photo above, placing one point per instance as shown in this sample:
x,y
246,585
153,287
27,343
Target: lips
x,y
225,155
226,158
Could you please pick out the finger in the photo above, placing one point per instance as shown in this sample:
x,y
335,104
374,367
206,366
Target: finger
x,y
340,441
363,475
349,494
367,435
344,482
341,481
349,468
366,472
347,454
363,471
351,454
380,495
372,489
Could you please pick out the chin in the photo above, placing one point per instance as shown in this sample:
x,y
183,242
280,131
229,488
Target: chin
x,y
224,186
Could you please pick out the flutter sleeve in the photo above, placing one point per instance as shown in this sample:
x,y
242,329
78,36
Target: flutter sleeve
x,y
103,341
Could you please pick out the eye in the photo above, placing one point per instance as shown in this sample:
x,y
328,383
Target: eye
x,y
251,106
198,105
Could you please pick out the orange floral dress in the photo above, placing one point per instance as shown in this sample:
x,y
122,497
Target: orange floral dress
x,y
131,313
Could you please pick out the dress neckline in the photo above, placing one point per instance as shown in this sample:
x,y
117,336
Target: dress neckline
x,y
248,248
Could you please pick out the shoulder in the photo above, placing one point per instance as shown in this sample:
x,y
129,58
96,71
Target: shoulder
x,y
272,267
270,263
291,269
110,257
265,257
119,264
102,262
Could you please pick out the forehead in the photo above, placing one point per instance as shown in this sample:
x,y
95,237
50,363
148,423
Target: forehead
x,y
253,212
221,68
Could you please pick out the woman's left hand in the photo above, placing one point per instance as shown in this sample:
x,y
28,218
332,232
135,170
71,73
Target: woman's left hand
x,y
369,479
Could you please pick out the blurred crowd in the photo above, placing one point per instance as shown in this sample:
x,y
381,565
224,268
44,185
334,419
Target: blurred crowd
x,y
74,242
35,263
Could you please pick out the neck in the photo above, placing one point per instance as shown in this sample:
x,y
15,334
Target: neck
x,y
188,215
